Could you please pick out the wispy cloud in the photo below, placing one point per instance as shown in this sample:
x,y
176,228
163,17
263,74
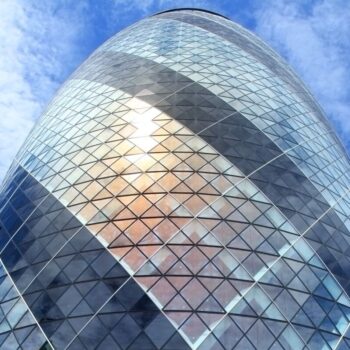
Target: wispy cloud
x,y
17,103
35,41
314,37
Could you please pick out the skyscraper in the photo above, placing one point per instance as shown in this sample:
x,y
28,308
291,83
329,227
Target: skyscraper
x,y
183,190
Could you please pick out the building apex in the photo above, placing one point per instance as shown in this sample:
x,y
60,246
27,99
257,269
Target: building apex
x,y
190,9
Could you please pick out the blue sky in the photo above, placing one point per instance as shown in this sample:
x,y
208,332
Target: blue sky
x,y
42,42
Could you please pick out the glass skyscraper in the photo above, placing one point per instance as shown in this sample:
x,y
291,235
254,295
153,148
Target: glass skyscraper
x,y
183,190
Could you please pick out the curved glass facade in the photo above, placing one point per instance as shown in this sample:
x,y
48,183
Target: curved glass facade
x,y
183,190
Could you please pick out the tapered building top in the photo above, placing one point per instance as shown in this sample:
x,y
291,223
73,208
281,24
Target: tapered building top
x,y
183,190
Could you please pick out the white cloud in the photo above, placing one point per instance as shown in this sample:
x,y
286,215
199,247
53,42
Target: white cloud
x,y
314,38
17,103
30,69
